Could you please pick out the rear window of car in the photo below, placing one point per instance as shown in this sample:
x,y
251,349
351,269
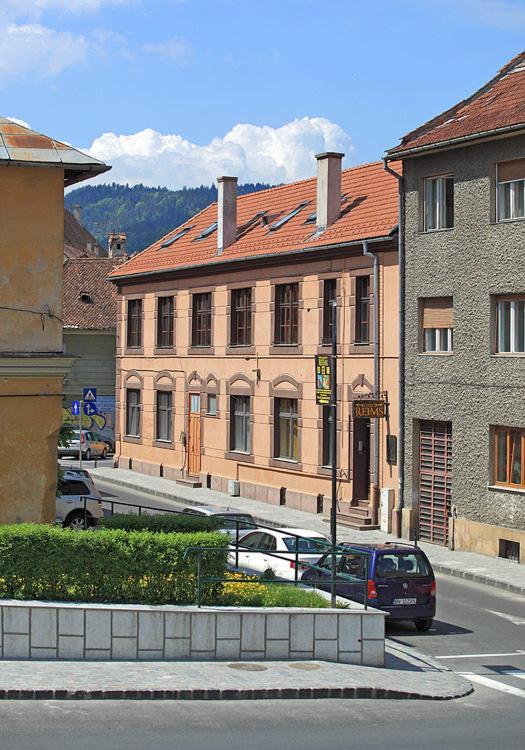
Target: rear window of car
x,y
305,544
74,487
243,522
402,565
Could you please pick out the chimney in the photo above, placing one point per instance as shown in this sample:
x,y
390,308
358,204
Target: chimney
x,y
226,212
117,245
77,213
328,189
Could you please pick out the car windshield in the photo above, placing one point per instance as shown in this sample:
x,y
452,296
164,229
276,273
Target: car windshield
x,y
402,565
305,544
237,521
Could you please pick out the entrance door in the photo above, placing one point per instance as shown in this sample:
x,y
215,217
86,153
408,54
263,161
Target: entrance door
x,y
435,480
194,434
361,459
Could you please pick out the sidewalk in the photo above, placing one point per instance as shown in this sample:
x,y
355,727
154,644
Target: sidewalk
x,y
407,675
470,565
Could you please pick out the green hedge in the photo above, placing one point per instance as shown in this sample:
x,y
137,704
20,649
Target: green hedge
x,y
144,567
166,522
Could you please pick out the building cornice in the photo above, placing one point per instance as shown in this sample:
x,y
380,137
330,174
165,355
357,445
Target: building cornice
x,y
34,365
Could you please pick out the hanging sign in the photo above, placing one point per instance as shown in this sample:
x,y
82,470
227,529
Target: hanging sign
x,y
368,409
323,379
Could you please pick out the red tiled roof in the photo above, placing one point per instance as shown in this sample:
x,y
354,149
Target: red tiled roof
x,y
77,240
498,104
369,210
89,275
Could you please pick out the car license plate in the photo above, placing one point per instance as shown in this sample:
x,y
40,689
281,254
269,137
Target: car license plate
x,y
405,601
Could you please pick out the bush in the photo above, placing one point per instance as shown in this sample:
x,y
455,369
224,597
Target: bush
x,y
166,522
251,593
112,566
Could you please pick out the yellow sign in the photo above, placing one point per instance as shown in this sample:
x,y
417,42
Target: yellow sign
x,y
369,409
323,379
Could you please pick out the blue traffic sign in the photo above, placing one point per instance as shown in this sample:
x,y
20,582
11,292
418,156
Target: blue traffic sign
x,y
75,408
90,409
90,394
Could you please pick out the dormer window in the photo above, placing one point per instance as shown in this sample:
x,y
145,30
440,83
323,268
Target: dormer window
x,y
86,298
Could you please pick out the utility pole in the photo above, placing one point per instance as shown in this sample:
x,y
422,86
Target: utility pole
x,y
333,451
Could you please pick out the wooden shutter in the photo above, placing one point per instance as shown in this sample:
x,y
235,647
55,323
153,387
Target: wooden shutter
x,y
511,170
438,312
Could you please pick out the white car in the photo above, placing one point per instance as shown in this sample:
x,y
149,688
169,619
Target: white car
x,y
79,505
310,546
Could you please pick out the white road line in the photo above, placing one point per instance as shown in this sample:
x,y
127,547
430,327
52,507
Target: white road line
x,y
494,685
512,618
514,673
479,656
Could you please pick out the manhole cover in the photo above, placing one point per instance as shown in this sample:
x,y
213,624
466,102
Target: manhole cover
x,y
305,667
248,667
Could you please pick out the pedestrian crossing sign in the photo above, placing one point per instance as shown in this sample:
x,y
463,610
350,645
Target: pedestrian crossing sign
x,y
90,394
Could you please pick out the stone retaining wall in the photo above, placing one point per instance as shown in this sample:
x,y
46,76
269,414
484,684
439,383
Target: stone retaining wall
x,y
49,630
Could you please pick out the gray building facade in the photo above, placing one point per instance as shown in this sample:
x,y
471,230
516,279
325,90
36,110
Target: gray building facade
x,y
464,374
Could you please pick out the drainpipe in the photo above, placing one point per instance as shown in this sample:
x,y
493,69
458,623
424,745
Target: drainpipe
x,y
397,519
377,384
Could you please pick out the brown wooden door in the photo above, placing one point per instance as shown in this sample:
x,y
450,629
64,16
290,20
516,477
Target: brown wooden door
x,y
361,459
194,434
435,480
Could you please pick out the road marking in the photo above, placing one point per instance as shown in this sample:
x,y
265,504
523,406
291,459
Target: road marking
x,y
479,656
514,673
493,684
512,618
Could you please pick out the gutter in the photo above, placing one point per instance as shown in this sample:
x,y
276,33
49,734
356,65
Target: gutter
x,y
393,155
248,259
397,519
377,384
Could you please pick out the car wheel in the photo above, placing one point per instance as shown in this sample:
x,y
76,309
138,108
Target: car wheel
x,y
78,521
108,447
423,625
87,455
104,453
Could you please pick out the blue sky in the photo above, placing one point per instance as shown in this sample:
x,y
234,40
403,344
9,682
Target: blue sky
x,y
178,91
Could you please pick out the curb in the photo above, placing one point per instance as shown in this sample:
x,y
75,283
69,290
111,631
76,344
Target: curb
x,y
438,567
232,694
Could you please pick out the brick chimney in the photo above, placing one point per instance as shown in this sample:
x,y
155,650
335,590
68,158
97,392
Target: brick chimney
x,y
328,189
226,212
77,213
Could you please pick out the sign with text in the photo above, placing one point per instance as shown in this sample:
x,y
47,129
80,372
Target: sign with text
x,y
323,379
368,409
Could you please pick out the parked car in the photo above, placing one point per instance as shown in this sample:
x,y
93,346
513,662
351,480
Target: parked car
x,y
399,579
108,442
92,445
79,505
283,543
233,518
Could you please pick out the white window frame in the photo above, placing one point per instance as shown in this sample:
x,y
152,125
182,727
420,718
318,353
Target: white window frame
x,y
499,203
513,328
439,335
441,204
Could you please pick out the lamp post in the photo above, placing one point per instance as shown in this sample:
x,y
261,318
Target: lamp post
x,y
333,452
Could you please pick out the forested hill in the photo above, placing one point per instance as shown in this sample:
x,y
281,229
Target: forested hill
x,y
143,213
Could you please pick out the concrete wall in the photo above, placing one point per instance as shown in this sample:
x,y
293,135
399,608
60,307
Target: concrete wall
x,y
259,474
46,630
31,368
472,388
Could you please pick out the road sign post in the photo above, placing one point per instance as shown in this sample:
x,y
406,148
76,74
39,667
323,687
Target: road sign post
x,y
80,410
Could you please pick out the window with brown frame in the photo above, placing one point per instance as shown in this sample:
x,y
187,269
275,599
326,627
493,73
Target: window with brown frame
x,y
165,320
286,429
362,309
134,325
329,296
201,320
287,314
164,422
133,412
509,457
241,317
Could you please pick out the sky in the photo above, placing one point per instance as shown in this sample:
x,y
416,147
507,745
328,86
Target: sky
x,y
178,92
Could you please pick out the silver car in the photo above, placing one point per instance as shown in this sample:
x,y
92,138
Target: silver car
x,y
80,505
93,445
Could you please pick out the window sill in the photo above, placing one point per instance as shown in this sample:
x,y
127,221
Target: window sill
x,y
285,463
435,354
286,349
163,351
509,221
212,416
133,350
240,349
240,456
506,488
510,355
436,231
132,439
163,444
206,350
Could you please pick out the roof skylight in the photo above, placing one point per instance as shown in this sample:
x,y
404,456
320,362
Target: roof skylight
x,y
278,224
206,232
176,237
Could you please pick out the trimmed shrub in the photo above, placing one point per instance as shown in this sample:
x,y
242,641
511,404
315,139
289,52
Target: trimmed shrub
x,y
252,593
166,522
113,566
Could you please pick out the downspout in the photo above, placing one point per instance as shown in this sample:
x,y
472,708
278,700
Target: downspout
x,y
398,513
377,384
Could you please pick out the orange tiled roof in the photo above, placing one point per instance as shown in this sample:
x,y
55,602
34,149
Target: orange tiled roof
x,y
89,276
498,104
369,210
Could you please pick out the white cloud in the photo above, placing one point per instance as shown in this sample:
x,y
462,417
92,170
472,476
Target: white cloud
x,y
19,122
175,48
32,8
37,51
251,152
